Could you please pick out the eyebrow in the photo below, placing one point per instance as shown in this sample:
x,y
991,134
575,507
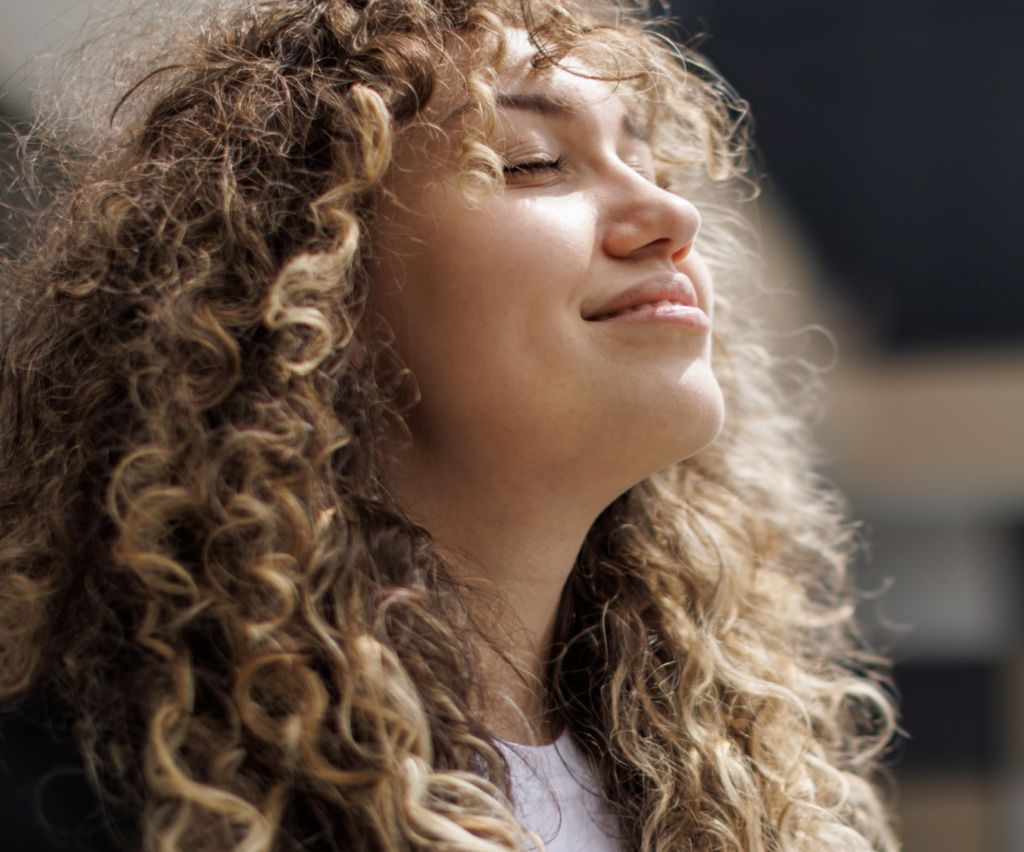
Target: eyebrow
x,y
540,104
555,108
549,107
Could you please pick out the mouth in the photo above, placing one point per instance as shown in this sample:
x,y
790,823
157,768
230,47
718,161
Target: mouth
x,y
665,306
666,297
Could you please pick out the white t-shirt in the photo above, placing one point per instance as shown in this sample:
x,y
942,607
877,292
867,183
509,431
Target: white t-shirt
x,y
556,796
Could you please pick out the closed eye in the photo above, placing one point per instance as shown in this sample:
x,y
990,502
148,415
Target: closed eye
x,y
534,167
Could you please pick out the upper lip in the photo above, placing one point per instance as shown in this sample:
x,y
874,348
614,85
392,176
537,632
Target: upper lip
x,y
669,287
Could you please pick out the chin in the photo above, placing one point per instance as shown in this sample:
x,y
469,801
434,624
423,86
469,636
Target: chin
x,y
682,432
698,424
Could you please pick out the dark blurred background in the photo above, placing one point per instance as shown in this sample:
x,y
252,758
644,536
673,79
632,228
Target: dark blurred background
x,y
895,129
890,137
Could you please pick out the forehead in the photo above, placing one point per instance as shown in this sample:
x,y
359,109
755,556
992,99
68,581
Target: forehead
x,y
567,90
572,78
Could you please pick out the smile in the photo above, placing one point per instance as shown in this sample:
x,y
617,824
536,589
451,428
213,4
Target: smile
x,y
662,299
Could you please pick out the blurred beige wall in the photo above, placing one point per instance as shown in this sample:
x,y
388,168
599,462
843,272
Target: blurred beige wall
x,y
926,434
939,434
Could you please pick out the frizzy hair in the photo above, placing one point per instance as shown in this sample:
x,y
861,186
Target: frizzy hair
x,y
198,549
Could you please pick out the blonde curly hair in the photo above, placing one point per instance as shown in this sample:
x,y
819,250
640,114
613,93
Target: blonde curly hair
x,y
198,548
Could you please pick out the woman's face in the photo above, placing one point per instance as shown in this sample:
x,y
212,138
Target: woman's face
x,y
560,329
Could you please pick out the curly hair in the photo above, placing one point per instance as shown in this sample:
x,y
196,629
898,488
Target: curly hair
x,y
198,548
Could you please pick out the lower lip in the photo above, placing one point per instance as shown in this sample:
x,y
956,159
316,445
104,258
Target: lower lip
x,y
665,315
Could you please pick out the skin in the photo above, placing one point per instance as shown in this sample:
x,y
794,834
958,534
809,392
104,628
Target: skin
x,y
535,413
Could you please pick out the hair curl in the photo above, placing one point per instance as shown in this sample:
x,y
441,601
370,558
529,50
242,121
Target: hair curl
x,y
198,550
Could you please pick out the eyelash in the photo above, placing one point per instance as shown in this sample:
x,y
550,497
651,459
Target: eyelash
x,y
533,166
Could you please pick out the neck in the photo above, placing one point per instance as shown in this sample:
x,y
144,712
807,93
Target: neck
x,y
511,545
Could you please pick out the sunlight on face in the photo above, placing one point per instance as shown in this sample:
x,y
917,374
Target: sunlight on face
x,y
559,329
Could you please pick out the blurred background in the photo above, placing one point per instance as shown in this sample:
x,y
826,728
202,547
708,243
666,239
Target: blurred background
x,y
891,137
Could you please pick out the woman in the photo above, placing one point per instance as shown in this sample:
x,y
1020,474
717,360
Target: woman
x,y
359,422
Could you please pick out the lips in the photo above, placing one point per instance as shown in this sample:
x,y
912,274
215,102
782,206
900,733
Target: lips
x,y
661,295
649,306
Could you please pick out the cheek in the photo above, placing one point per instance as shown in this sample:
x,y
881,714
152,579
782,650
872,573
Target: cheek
x,y
497,270
547,241
484,310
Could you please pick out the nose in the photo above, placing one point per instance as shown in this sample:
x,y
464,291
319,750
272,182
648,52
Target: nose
x,y
648,222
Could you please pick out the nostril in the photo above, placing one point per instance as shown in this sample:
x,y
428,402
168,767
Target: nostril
x,y
682,254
